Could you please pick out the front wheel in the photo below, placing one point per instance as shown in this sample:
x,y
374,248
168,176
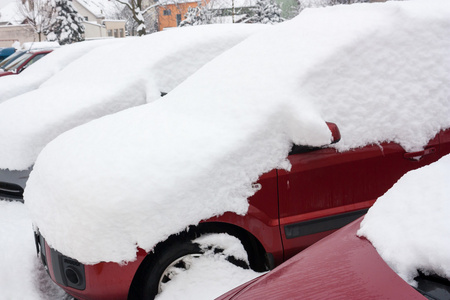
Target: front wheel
x,y
176,256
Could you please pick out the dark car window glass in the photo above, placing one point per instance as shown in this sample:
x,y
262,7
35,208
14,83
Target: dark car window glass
x,y
297,149
11,58
15,64
433,287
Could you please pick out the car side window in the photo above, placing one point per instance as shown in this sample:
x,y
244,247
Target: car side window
x,y
297,149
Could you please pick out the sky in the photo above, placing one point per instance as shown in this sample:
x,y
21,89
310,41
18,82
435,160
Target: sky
x,y
4,2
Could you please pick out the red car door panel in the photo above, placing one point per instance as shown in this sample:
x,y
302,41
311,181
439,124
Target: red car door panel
x,y
326,189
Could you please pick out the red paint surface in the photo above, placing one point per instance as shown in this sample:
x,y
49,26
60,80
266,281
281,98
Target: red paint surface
x,y
341,266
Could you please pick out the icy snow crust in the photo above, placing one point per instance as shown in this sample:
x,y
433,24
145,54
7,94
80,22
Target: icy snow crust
x,y
106,80
409,225
32,77
380,71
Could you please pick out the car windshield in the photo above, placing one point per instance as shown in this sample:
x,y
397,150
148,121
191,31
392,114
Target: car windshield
x,y
11,58
16,63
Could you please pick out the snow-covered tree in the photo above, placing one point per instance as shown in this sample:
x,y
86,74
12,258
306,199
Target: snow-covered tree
x,y
266,12
302,4
150,20
197,16
66,26
138,11
37,14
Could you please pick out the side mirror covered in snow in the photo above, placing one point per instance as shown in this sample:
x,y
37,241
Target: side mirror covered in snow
x,y
335,137
335,133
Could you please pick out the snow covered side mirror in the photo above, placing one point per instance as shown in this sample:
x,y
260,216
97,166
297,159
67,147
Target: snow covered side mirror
x,y
335,137
335,133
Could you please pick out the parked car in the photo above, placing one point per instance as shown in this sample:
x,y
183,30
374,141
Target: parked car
x,y
341,266
243,147
9,59
23,62
94,71
44,69
5,52
389,258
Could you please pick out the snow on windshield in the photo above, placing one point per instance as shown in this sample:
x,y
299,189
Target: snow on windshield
x,y
136,177
107,80
37,73
409,225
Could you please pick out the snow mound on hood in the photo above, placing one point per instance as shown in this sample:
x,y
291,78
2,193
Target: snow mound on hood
x,y
134,178
32,77
409,225
106,80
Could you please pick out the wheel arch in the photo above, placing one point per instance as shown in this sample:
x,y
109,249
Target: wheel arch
x,y
259,259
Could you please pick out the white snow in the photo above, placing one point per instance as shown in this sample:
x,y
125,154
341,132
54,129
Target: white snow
x,y
39,72
10,13
102,8
379,71
40,45
22,275
208,278
210,275
106,80
410,226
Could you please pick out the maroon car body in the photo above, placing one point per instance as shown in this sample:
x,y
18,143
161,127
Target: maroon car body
x,y
24,61
341,266
324,190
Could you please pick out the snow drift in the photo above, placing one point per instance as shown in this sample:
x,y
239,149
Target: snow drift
x,y
132,179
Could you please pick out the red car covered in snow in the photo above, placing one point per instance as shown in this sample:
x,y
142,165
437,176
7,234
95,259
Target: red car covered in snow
x,y
324,191
341,266
24,61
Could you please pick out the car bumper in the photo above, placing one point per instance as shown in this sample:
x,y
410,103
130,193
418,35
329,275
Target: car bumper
x,y
105,280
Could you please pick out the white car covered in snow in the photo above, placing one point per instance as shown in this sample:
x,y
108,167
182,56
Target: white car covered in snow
x,y
110,76
245,147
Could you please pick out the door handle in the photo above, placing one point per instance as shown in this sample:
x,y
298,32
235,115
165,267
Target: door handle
x,y
419,154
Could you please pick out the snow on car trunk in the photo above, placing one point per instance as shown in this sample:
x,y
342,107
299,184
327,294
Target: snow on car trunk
x,y
106,80
409,225
134,178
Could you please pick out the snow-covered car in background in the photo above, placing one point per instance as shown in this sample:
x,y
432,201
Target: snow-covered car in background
x,y
111,77
243,147
34,76
6,52
401,251
23,62
22,59
10,58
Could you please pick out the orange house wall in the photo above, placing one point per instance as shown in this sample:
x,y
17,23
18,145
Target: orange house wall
x,y
171,20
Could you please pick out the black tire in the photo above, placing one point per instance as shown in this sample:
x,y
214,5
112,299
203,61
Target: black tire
x,y
157,263
150,275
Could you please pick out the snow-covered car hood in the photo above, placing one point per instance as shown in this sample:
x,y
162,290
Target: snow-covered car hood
x,y
132,179
106,80
409,225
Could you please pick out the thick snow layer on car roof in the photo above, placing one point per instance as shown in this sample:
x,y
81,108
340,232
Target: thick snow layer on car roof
x,y
107,80
40,46
39,72
134,178
409,225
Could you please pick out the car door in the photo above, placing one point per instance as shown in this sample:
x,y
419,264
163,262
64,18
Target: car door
x,y
326,189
